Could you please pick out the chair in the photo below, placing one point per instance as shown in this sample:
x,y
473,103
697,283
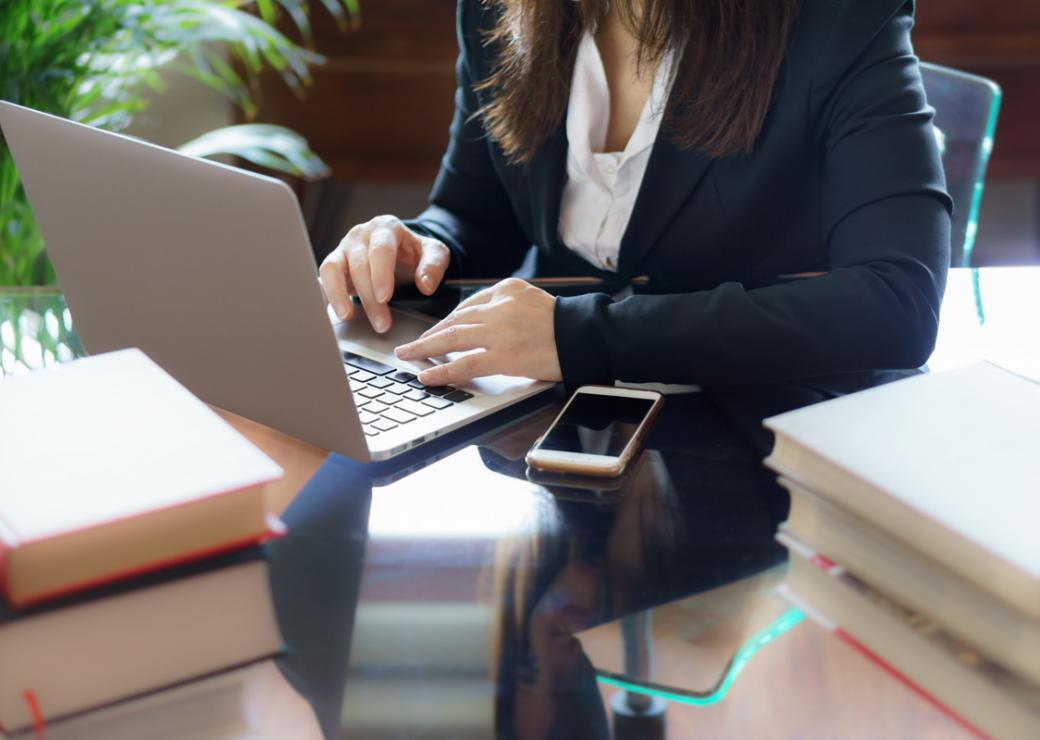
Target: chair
x,y
966,110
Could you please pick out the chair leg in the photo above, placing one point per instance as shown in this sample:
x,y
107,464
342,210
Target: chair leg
x,y
638,716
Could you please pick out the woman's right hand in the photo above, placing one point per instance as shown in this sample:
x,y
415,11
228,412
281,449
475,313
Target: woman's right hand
x,y
374,257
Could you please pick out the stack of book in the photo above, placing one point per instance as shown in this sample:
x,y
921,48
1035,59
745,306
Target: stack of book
x,y
913,535
131,518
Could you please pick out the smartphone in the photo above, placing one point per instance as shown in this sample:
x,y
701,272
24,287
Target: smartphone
x,y
598,431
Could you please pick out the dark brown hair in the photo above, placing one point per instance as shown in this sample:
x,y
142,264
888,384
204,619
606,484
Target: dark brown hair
x,y
731,55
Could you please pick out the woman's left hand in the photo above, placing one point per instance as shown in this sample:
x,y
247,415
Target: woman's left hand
x,y
511,321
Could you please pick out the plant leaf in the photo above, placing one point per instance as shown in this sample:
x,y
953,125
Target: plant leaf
x,y
274,147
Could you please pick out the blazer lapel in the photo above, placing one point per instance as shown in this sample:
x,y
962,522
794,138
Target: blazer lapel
x,y
672,174
545,178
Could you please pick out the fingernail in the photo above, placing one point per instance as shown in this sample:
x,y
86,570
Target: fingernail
x,y
427,280
380,324
382,295
403,351
340,310
425,377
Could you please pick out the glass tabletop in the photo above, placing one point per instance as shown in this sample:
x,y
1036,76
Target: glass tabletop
x,y
458,600
447,594
35,330
488,604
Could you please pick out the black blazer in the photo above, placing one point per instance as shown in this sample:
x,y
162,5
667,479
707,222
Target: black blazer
x,y
846,178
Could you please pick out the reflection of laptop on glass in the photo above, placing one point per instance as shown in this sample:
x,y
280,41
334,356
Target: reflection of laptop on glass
x,y
209,270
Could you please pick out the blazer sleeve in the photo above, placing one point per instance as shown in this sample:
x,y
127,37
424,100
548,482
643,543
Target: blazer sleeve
x,y
887,230
469,209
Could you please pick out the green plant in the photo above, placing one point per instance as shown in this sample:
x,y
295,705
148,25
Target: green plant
x,y
94,61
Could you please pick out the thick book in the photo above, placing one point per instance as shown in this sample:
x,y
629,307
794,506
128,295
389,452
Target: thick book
x,y
916,581
112,468
129,638
944,462
970,687
254,702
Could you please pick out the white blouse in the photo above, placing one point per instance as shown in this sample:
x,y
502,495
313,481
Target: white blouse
x,y
602,186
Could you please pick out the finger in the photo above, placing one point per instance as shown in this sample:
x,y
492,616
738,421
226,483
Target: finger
x,y
481,299
452,339
461,370
470,315
334,283
432,266
382,258
360,273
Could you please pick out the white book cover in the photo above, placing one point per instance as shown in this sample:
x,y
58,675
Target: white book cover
x,y
947,462
108,438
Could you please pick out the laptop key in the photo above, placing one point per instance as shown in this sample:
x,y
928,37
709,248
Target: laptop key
x,y
413,408
397,389
458,396
375,407
380,382
401,417
415,384
438,390
367,417
370,392
371,432
363,363
356,385
402,377
437,403
385,425
387,399
357,374
416,395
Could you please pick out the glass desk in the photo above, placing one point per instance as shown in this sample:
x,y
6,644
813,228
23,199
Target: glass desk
x,y
455,598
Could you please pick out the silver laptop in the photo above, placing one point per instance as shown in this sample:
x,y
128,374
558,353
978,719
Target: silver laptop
x,y
209,270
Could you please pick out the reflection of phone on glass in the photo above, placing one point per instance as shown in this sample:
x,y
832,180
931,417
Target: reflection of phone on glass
x,y
597,433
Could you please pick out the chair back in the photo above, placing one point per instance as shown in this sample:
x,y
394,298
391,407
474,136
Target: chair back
x,y
966,110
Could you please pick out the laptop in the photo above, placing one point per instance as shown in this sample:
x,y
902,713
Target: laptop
x,y
209,270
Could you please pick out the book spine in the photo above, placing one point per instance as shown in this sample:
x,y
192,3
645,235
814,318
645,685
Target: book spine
x,y
251,541
855,494
991,625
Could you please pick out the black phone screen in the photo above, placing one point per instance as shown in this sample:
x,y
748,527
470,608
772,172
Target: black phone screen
x,y
597,425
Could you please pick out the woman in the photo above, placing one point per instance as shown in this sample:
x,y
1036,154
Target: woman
x,y
713,146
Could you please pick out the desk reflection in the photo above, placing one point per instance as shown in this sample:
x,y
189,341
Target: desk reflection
x,y
471,581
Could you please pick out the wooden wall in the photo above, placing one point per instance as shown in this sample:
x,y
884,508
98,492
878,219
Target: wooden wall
x,y
1000,40
380,108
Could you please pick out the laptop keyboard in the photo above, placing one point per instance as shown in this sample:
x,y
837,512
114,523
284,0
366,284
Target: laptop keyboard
x,y
387,398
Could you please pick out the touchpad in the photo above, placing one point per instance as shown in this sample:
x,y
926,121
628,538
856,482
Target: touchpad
x,y
359,332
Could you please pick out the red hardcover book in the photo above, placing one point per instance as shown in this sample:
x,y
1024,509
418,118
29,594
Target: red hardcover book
x,y
111,469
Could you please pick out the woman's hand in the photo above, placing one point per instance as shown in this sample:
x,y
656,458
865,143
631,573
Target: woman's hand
x,y
511,321
374,257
